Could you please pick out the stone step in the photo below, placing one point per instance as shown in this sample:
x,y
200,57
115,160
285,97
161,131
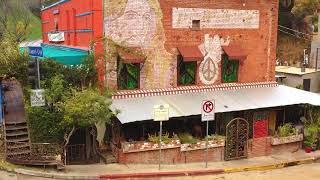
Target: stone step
x,y
18,153
18,146
18,139
16,133
16,127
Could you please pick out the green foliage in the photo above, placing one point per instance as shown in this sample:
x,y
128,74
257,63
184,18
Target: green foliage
x,y
299,86
13,64
186,138
312,127
311,135
156,138
286,130
44,123
214,137
15,19
85,108
9,50
78,77
73,101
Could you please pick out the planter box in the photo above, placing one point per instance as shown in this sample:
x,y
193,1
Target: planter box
x,y
202,145
286,140
128,147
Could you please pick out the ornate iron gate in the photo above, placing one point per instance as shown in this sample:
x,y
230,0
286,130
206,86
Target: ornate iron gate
x,y
236,139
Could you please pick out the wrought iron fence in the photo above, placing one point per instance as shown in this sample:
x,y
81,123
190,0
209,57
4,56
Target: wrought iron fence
x,y
33,153
75,153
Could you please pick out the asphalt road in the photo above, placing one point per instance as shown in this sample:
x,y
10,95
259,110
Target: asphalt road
x,y
302,172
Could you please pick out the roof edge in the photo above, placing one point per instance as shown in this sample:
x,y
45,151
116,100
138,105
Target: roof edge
x,y
189,89
54,4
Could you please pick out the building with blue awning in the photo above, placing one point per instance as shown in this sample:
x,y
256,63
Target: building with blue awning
x,y
62,54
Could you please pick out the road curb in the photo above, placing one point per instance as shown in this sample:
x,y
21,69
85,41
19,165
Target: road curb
x,y
210,172
271,166
53,176
163,174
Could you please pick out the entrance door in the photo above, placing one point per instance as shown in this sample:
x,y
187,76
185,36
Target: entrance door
x,y
236,139
306,84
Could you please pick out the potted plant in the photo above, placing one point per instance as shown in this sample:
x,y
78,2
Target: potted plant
x,y
286,133
311,137
308,146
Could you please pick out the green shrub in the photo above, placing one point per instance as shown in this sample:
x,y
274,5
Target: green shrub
x,y
186,138
286,130
214,137
155,138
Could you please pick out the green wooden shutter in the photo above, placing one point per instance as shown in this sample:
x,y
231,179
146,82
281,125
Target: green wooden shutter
x,y
187,73
229,70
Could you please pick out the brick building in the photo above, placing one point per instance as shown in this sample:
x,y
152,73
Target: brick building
x,y
180,53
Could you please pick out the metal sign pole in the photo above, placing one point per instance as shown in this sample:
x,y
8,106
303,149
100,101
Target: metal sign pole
x,y
160,134
38,69
207,144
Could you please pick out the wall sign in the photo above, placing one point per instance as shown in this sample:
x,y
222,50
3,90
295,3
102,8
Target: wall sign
x,y
56,11
56,37
37,97
35,51
216,18
161,112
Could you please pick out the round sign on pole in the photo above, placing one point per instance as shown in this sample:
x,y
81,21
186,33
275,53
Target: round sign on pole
x,y
208,109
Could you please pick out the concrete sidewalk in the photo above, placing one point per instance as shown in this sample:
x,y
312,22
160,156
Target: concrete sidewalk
x,y
114,171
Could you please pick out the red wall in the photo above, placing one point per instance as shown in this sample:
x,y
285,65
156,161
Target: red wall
x,y
81,20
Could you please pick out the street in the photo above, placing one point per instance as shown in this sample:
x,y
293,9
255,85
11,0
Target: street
x,y
306,172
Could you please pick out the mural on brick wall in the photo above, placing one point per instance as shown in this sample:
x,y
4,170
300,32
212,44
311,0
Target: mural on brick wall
x,y
212,52
215,18
138,23
135,26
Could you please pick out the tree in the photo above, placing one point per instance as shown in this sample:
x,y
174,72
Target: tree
x,y
14,19
85,109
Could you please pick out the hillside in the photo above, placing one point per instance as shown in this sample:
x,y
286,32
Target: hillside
x,y
35,28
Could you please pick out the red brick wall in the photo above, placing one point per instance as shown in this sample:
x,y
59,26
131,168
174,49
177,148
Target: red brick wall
x,y
255,42
259,147
214,155
262,147
286,148
171,156
160,68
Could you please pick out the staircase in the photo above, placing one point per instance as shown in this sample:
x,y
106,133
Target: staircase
x,y
15,126
18,148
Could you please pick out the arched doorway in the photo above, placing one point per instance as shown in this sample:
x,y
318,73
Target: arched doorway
x,y
236,139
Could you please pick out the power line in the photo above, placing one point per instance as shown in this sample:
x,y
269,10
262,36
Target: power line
x,y
294,30
294,35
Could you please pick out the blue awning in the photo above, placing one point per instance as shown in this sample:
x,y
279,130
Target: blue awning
x,y
62,54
